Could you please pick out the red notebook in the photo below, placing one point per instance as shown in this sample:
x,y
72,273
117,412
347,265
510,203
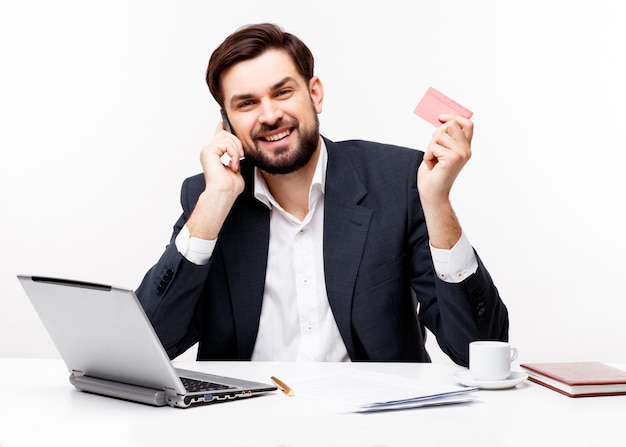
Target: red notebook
x,y
578,379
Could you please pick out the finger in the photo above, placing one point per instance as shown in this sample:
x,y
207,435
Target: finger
x,y
453,143
451,136
429,157
432,153
230,148
219,129
465,124
447,151
232,162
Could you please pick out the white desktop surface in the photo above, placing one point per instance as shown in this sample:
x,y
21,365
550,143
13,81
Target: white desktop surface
x,y
41,408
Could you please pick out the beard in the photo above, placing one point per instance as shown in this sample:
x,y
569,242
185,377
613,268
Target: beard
x,y
286,160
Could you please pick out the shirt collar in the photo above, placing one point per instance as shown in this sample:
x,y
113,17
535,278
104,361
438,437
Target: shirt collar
x,y
262,192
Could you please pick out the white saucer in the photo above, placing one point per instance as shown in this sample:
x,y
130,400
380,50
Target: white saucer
x,y
514,379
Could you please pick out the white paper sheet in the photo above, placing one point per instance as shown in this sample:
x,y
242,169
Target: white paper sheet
x,y
360,391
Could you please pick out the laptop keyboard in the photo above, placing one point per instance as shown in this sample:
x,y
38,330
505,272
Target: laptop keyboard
x,y
194,386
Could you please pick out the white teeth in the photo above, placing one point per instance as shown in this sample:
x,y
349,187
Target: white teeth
x,y
278,136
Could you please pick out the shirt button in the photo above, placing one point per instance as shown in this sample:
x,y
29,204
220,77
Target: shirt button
x,y
305,280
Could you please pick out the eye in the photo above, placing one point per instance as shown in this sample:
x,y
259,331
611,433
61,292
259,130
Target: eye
x,y
284,92
244,104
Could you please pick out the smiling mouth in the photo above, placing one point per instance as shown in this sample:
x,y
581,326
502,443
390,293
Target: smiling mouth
x,y
277,137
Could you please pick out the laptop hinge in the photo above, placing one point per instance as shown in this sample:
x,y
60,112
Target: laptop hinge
x,y
170,391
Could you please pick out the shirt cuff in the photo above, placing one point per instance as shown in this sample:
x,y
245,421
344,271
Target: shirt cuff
x,y
195,250
456,264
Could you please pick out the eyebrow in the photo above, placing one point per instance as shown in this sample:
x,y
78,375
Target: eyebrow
x,y
275,86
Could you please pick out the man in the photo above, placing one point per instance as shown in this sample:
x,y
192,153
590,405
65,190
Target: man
x,y
308,249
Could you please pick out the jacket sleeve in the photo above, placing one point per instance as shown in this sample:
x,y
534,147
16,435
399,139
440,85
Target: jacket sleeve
x,y
170,290
456,313
464,312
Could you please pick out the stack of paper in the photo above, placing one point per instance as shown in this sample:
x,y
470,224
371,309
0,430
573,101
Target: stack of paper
x,y
358,391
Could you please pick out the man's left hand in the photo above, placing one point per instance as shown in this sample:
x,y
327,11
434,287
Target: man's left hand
x,y
446,154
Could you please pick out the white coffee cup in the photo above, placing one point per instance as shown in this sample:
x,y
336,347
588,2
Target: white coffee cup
x,y
491,360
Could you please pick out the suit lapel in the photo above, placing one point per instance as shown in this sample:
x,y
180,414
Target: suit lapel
x,y
245,241
346,225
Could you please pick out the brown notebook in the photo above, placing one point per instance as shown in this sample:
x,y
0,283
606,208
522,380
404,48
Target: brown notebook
x,y
578,379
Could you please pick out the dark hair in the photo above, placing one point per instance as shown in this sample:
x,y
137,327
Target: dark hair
x,y
249,42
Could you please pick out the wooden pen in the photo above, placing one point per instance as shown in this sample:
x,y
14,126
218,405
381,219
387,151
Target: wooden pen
x,y
282,386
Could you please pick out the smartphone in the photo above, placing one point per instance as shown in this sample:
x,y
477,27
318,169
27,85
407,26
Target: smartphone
x,y
225,122
227,127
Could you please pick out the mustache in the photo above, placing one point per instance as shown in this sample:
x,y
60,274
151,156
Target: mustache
x,y
264,128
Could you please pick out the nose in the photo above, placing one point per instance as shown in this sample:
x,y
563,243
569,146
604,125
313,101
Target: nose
x,y
270,112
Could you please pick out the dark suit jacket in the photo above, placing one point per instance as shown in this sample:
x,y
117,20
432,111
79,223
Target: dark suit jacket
x,y
377,264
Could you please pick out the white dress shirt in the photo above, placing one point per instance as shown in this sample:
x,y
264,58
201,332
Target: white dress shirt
x,y
297,323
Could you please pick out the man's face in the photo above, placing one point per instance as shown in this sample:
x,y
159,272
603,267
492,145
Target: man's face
x,y
273,111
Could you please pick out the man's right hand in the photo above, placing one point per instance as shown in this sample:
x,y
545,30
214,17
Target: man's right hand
x,y
223,185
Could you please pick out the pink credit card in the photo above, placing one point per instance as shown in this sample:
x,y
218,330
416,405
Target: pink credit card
x,y
435,103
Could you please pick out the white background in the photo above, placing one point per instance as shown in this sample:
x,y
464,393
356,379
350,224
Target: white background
x,y
103,111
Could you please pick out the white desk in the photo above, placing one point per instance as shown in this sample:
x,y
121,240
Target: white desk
x,y
41,408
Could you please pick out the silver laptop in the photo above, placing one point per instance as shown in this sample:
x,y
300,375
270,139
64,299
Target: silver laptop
x,y
110,347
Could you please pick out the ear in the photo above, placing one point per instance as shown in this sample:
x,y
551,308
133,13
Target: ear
x,y
316,90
